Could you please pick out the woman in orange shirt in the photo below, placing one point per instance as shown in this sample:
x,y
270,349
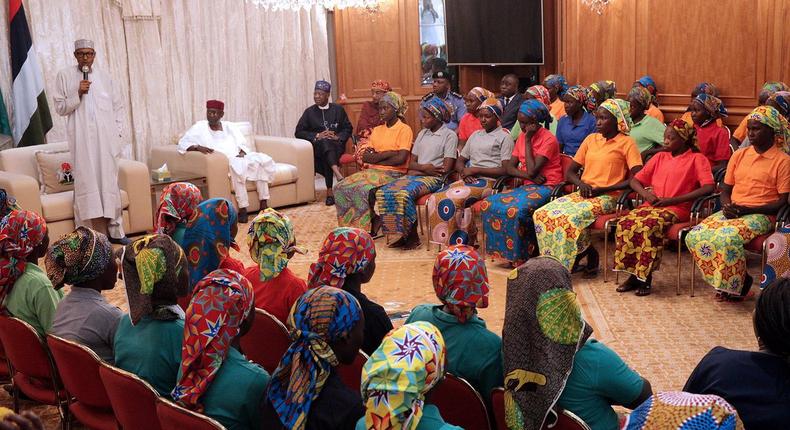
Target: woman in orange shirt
x,y
386,155
768,89
678,176
469,122
609,158
755,186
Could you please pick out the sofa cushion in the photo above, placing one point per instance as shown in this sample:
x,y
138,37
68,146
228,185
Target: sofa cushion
x,y
60,206
285,174
55,171
22,160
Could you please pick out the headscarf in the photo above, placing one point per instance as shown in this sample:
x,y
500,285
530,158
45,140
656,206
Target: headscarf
x,y
221,302
705,88
677,410
437,108
154,267
207,237
782,100
320,317
396,378
345,251
540,93
176,205
380,85
460,281
648,83
20,233
78,257
271,239
605,90
619,108
397,102
537,110
578,93
713,105
686,131
7,204
492,104
772,87
481,93
772,118
641,95
556,81
542,332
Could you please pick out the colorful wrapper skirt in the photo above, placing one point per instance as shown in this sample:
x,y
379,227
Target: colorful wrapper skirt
x,y
639,240
352,196
396,202
561,225
450,213
507,221
717,247
777,260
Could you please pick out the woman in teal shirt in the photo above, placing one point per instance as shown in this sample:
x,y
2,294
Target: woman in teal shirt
x,y
177,204
148,340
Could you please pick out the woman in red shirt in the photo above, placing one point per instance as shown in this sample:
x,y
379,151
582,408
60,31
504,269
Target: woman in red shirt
x,y
713,138
469,122
677,176
507,216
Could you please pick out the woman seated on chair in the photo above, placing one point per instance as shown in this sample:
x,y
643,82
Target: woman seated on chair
x,y
541,94
469,122
214,377
780,101
272,244
474,352
598,92
305,392
756,186
647,132
507,216
386,155
677,176
557,85
148,340
25,290
573,128
396,391
347,260
677,410
546,341
777,259
610,159
714,141
768,90
84,260
449,209
432,155
176,207
649,84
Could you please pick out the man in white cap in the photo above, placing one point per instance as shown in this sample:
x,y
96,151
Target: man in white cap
x,y
94,113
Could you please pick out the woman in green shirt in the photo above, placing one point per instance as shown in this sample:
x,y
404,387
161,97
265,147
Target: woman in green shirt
x,y
25,290
647,132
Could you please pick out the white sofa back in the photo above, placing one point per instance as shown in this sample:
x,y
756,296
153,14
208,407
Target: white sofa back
x,y
23,161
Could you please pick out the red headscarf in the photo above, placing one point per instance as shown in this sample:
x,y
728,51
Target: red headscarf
x,y
540,93
20,232
460,280
176,205
381,85
347,250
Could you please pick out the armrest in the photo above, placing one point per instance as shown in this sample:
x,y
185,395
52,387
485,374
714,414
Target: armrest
x,y
626,200
296,152
214,167
499,185
783,216
24,189
696,207
134,177
718,174
559,190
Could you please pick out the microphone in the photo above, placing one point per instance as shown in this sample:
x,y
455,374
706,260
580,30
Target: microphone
x,y
85,70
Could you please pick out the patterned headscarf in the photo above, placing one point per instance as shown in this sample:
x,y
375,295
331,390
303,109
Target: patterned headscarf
x,y
492,104
782,101
207,238
772,87
154,267
686,131
20,233
380,85
78,257
543,330
221,302
460,280
556,81
320,317
605,89
7,204
641,95
648,83
705,88
680,411
176,206
271,239
579,93
537,110
778,123
437,108
540,93
397,102
396,378
713,105
481,93
345,251
619,108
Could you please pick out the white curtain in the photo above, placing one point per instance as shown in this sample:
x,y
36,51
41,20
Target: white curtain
x,y
168,57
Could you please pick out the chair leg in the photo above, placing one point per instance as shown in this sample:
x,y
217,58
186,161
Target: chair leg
x,y
65,416
15,395
605,251
762,259
693,272
677,284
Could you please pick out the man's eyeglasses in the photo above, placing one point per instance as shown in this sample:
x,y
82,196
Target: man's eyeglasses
x,y
84,54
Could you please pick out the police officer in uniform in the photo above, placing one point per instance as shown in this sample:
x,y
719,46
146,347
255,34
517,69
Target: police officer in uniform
x,y
442,89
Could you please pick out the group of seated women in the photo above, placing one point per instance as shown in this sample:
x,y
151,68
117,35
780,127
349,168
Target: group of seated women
x,y
612,145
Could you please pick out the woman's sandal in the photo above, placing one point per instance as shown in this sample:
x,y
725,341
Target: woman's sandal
x,y
643,290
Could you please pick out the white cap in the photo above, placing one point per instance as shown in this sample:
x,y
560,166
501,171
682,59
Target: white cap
x,y
83,44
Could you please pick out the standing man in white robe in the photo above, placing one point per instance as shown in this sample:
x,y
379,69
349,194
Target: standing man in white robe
x,y
225,137
94,124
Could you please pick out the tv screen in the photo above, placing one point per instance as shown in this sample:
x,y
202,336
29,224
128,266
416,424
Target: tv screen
x,y
486,32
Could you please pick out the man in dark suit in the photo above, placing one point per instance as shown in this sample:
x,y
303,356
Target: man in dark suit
x,y
511,100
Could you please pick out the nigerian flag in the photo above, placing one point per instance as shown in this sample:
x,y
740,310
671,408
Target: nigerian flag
x,y
5,127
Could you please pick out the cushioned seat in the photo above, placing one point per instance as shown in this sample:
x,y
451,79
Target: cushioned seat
x,y
600,222
60,206
756,244
285,174
347,159
674,231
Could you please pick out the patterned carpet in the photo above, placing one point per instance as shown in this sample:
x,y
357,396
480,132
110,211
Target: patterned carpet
x,y
662,336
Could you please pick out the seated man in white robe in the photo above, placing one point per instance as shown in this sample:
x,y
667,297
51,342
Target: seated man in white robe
x,y
221,136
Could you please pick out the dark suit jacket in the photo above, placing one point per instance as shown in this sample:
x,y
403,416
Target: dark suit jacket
x,y
510,112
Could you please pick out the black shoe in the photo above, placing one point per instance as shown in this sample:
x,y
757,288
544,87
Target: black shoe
x,y
330,201
122,241
243,218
